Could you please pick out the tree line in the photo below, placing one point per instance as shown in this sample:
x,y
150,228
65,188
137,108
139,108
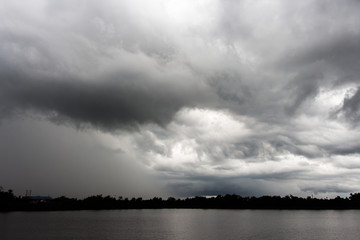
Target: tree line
x,y
10,202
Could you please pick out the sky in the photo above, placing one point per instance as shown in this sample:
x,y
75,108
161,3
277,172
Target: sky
x,y
180,98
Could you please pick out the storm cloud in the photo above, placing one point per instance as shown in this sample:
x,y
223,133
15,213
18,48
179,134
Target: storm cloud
x,y
108,105
203,97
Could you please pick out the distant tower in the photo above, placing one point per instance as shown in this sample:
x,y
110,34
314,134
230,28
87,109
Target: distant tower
x,y
28,193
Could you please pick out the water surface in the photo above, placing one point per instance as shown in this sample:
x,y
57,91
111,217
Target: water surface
x,y
173,224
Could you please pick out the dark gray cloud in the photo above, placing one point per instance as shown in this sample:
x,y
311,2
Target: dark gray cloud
x,y
109,104
336,188
351,107
304,86
214,187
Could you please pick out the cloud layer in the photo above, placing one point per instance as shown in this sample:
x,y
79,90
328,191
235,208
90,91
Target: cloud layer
x,y
209,97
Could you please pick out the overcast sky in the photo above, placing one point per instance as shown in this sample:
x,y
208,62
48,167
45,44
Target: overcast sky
x,y
180,97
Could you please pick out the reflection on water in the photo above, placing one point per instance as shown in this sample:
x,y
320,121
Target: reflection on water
x,y
175,224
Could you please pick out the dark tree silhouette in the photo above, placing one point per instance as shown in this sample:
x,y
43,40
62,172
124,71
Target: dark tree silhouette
x,y
9,202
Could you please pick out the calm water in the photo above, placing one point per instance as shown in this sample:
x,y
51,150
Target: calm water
x,y
175,224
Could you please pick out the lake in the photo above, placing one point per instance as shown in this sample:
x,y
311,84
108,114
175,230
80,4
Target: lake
x,y
173,224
